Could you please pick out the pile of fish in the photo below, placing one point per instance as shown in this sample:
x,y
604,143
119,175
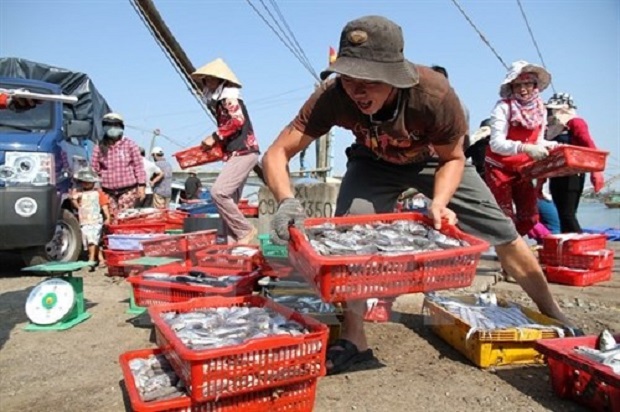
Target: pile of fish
x,y
195,277
155,379
304,304
212,328
608,352
487,316
395,238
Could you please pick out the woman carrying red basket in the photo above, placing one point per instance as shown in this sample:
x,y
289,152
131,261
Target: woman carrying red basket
x,y
566,127
235,135
517,134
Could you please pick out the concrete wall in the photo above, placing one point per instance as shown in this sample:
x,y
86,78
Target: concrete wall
x,y
318,199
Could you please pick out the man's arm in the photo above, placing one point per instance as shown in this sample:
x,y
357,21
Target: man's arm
x,y
275,162
447,180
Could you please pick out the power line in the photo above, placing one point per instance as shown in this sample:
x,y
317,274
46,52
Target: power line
x,y
529,29
484,39
168,138
303,63
274,4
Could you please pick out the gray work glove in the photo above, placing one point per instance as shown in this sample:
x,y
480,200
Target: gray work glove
x,y
535,151
290,212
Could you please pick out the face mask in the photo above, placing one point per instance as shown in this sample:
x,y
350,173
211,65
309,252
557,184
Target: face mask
x,y
113,132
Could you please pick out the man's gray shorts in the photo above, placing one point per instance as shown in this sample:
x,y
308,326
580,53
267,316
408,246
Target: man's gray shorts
x,y
371,185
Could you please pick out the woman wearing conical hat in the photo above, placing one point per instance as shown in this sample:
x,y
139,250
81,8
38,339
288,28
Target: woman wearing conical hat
x,y
518,124
221,93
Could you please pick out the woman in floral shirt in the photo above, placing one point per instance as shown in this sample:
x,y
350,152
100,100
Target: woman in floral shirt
x,y
235,135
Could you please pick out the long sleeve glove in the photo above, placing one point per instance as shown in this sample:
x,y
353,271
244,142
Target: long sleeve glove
x,y
534,151
290,212
598,181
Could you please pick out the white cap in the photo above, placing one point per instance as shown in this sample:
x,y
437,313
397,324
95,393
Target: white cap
x,y
157,151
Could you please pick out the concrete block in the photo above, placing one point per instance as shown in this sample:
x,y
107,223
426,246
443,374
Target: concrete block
x,y
318,199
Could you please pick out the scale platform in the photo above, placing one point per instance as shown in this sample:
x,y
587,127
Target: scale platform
x,y
57,303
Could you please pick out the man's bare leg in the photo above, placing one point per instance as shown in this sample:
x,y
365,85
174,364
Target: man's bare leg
x,y
519,262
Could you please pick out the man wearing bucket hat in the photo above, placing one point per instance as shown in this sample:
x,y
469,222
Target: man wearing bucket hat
x,y
235,134
517,135
397,110
566,127
93,212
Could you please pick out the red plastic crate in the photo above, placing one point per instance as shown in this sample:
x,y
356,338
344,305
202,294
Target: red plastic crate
x,y
172,219
277,268
574,243
196,156
577,277
594,260
298,397
249,210
176,245
247,367
565,160
339,279
149,292
117,257
127,229
579,378
220,256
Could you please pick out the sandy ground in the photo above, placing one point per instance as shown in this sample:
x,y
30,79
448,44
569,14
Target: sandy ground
x,y
78,370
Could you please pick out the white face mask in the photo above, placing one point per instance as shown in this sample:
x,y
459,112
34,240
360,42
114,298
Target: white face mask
x,y
113,132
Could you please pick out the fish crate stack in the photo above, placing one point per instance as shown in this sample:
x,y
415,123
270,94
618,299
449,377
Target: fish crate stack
x,y
182,246
576,259
122,243
233,354
490,332
383,256
583,373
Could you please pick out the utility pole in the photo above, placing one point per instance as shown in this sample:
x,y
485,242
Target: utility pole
x,y
156,133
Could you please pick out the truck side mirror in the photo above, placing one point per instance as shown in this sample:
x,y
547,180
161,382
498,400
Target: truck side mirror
x,y
78,128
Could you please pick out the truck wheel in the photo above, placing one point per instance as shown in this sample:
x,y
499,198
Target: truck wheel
x,y
65,246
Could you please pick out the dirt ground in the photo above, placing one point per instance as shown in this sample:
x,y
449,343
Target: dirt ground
x,y
78,370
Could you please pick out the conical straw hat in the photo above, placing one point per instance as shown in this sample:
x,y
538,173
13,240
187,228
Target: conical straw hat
x,y
216,68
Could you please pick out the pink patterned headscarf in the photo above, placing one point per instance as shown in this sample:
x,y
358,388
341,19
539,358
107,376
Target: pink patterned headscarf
x,y
531,112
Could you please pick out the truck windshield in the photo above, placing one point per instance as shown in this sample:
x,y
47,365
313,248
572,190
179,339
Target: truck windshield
x,y
38,118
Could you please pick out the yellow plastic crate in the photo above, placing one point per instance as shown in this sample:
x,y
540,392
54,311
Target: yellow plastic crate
x,y
497,348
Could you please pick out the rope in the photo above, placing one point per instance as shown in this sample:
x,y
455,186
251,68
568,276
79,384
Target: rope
x,y
529,29
458,6
176,64
306,66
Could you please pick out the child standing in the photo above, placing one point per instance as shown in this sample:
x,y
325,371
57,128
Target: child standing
x,y
93,211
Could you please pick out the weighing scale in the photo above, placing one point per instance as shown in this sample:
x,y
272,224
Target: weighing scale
x,y
57,303
151,261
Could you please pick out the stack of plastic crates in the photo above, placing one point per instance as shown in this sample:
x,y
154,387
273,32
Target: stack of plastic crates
x,y
579,378
274,373
122,243
181,246
576,259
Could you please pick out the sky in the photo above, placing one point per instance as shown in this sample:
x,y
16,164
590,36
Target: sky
x,y
579,42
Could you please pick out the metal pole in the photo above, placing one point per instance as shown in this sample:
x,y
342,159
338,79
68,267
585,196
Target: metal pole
x,y
156,133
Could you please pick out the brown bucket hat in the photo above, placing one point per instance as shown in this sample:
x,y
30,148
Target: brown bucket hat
x,y
371,48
